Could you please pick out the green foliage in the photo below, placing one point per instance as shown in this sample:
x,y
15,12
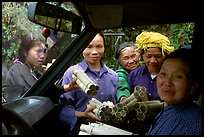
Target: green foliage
x,y
181,30
15,23
172,31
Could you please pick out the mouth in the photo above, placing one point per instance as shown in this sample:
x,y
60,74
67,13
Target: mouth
x,y
168,91
40,62
94,58
132,66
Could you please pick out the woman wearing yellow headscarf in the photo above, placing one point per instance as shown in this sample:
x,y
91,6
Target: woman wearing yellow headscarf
x,y
153,47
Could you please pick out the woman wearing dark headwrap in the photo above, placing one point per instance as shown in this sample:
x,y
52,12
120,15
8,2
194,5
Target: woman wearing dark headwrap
x,y
128,59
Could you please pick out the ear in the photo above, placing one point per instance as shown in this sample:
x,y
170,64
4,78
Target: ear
x,y
119,61
25,54
194,88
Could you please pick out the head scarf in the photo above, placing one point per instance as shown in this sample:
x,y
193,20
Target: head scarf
x,y
123,46
153,39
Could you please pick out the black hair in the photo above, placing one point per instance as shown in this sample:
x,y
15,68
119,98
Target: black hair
x,y
102,35
27,42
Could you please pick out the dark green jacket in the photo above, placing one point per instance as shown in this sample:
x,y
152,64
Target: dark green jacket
x,y
123,88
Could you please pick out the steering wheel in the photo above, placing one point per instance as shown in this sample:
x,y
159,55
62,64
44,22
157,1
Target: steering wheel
x,y
13,124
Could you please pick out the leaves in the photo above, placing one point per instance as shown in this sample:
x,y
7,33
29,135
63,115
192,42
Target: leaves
x,y
15,23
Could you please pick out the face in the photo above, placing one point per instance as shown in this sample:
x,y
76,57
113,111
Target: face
x,y
129,58
36,55
153,59
173,82
94,51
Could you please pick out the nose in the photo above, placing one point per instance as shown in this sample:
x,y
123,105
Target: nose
x,y
153,59
131,60
94,52
168,81
42,55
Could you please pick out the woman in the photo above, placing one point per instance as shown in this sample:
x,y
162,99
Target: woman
x,y
73,109
178,87
31,55
128,59
153,47
25,71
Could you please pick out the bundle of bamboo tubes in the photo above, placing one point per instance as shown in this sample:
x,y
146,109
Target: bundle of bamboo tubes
x,y
102,110
136,102
143,108
121,109
85,83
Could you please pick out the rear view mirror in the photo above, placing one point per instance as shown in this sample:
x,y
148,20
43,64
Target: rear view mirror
x,y
54,17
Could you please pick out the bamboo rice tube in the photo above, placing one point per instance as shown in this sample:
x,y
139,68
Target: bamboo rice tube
x,y
85,79
117,120
141,116
112,129
143,108
85,128
137,89
125,108
107,118
131,105
143,94
96,102
130,98
152,105
82,86
83,133
123,113
155,106
114,109
119,106
96,130
109,110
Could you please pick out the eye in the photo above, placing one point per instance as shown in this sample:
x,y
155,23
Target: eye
x,y
162,74
148,56
89,46
125,58
179,76
99,46
133,56
158,56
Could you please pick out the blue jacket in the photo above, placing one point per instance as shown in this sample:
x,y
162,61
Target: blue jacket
x,y
183,119
141,77
76,100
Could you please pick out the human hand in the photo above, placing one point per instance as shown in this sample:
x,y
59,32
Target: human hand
x,y
88,113
72,85
123,98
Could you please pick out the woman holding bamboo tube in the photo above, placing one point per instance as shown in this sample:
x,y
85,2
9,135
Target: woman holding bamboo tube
x,y
128,60
153,47
73,105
